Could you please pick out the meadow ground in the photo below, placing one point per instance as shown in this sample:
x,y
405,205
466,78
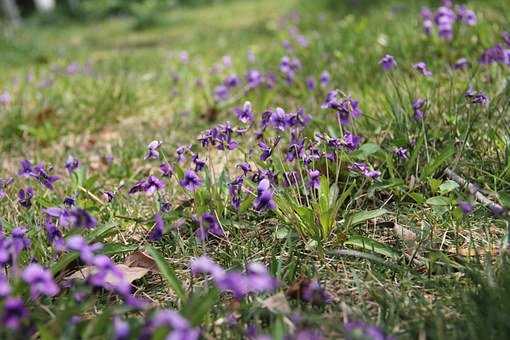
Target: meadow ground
x,y
356,202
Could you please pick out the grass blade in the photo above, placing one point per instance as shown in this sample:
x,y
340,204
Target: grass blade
x,y
168,273
372,245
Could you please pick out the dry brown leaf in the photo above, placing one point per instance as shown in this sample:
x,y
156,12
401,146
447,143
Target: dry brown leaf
x,y
277,303
404,233
470,251
141,259
130,274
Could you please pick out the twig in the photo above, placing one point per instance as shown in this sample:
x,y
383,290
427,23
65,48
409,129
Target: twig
x,y
94,197
473,189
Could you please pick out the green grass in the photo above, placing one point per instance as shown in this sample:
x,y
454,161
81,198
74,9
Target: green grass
x,y
441,285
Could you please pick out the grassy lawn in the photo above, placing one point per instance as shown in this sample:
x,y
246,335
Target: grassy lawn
x,y
379,210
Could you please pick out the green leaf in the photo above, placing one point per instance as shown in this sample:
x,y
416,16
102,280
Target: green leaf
x,y
333,194
363,216
281,233
199,306
417,197
246,204
372,245
278,329
366,150
431,167
448,186
504,198
178,171
168,273
324,194
438,201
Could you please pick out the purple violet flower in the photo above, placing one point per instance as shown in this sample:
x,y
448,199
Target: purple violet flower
x,y
235,191
495,54
80,218
345,108
38,172
231,81
221,93
401,153
388,62
149,185
19,240
108,196
120,329
166,170
312,292
25,197
466,207
14,313
466,15
350,141
5,288
364,170
245,115
152,150
5,98
266,150
180,327
310,83
461,64
506,38
253,78
418,106
72,164
69,201
159,228
79,244
256,279
324,78
245,167
279,119
421,67
190,181
184,57
264,198
476,97
180,151
308,334
314,179
25,168
360,329
4,183
209,225
199,163
40,281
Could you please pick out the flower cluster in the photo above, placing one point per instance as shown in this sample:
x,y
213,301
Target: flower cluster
x,y
499,53
38,172
105,273
445,17
39,280
255,280
346,108
175,325
149,185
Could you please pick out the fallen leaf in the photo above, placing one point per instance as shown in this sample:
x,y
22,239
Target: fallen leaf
x,y
130,274
141,259
404,233
470,251
44,115
277,303
295,289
